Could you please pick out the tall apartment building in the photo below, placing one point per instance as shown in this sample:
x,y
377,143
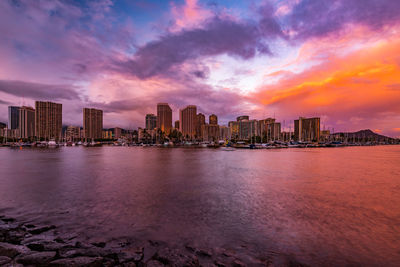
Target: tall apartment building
x,y
13,117
164,117
269,129
26,121
210,132
151,121
188,118
48,120
245,128
92,123
200,121
307,129
213,119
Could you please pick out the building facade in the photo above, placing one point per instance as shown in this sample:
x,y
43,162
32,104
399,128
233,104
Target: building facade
x,y
307,129
26,118
48,120
13,117
164,117
177,125
188,118
210,132
224,133
151,121
200,121
213,119
92,123
269,130
73,133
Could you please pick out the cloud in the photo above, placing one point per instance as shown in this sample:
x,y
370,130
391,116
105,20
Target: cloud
x,y
2,102
38,90
218,36
339,91
315,18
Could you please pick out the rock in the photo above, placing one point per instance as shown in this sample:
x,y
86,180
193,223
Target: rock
x,y
40,230
59,240
219,264
238,263
30,226
36,258
131,254
76,252
4,260
203,253
8,220
36,246
154,263
99,244
176,258
78,261
10,250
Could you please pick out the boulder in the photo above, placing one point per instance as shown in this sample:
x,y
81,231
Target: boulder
x,y
10,250
36,246
176,258
39,230
4,260
36,258
154,263
78,261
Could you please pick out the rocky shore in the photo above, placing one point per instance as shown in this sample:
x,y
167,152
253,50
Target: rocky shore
x,y
26,244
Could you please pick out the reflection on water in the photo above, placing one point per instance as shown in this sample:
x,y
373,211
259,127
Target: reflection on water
x,y
338,205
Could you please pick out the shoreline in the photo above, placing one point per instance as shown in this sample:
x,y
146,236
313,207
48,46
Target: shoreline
x,y
27,244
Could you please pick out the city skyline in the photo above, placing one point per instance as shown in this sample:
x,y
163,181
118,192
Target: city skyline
x,y
261,58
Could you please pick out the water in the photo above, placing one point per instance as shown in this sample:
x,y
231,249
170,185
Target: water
x,y
323,206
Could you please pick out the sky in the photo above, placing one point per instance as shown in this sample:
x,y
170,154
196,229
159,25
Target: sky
x,y
336,59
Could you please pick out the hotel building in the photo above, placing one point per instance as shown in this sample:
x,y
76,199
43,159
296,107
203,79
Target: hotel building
x,y
164,117
92,123
26,119
48,120
188,118
151,121
307,129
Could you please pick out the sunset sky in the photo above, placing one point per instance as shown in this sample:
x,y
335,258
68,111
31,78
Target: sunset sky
x,y
337,59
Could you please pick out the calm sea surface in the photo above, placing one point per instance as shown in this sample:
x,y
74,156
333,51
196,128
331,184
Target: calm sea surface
x,y
323,206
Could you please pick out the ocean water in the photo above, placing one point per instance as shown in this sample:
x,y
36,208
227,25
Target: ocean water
x,y
321,206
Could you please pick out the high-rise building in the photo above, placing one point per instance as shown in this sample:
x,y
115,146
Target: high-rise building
x,y
269,130
26,118
224,133
13,117
210,132
188,117
246,128
73,133
48,120
234,129
307,129
200,121
92,123
213,119
164,117
151,121
177,125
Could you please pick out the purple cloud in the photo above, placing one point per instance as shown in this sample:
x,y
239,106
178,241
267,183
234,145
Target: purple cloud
x,y
218,36
38,90
313,18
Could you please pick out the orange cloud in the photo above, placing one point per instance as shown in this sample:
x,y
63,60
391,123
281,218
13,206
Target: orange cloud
x,y
364,83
